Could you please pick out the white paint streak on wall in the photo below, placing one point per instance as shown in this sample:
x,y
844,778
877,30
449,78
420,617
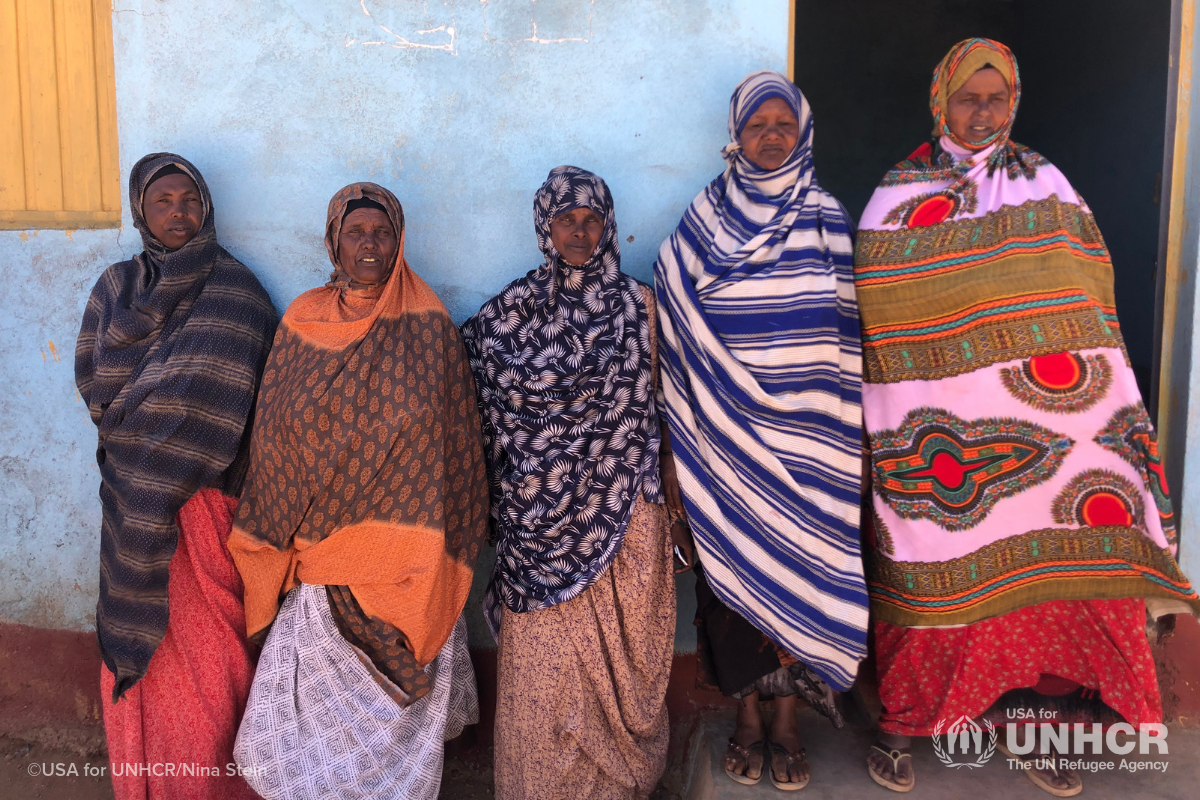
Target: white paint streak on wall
x,y
512,16
539,40
401,42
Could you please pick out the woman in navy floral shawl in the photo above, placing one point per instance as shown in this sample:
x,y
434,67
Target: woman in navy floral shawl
x,y
582,598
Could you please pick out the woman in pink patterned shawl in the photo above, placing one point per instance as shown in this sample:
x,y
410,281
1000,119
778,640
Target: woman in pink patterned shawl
x,y
1022,527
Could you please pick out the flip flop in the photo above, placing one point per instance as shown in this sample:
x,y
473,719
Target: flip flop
x,y
895,756
1036,778
790,760
745,753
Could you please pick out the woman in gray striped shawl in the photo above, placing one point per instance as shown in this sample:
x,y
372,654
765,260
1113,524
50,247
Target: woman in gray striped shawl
x,y
168,360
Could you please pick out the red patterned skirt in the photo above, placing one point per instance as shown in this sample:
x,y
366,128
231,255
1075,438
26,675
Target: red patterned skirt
x,y
931,674
184,714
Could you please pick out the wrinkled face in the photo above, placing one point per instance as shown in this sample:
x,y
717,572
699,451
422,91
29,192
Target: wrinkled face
x,y
367,245
173,210
576,234
770,135
980,107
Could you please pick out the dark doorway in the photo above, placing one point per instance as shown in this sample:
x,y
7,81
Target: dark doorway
x,y
1094,100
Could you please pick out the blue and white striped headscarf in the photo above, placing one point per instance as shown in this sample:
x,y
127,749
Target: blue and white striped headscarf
x,y
762,371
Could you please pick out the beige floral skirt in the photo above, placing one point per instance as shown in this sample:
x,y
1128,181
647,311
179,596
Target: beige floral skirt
x,y
581,707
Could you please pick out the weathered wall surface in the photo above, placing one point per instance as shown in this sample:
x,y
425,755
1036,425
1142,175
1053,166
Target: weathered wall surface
x,y
49,514
459,106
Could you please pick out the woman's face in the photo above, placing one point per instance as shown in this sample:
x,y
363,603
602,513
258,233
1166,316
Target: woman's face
x,y
770,135
575,235
173,210
980,107
367,245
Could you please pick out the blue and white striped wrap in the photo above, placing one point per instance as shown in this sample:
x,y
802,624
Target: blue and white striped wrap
x,y
761,380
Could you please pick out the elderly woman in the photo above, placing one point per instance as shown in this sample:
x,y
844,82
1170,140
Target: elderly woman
x,y
761,381
1022,523
364,511
168,360
582,599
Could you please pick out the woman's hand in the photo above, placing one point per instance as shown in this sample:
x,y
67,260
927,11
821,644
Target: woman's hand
x,y
682,543
681,533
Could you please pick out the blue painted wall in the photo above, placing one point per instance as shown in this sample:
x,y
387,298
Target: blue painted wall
x,y
459,106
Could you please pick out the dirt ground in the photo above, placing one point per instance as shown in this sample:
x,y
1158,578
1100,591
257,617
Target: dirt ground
x,y
22,764
31,770
34,771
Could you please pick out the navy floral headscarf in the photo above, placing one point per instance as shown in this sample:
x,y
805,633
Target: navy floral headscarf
x,y
561,359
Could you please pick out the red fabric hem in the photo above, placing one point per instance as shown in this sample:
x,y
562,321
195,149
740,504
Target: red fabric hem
x,y
927,675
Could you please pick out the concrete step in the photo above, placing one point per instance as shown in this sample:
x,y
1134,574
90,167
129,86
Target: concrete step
x,y
839,770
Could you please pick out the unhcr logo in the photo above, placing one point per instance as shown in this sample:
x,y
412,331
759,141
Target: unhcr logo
x,y
966,744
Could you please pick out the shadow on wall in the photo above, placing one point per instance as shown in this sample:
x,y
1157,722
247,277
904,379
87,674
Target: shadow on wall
x,y
1094,93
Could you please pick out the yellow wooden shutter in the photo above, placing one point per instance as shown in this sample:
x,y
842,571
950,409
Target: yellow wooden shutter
x,y
58,116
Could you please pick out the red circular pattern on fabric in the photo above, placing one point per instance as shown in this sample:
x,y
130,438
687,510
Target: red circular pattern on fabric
x,y
948,470
1057,372
932,211
1060,383
1100,498
1105,508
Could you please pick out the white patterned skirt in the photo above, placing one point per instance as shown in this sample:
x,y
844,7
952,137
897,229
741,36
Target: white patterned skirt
x,y
320,726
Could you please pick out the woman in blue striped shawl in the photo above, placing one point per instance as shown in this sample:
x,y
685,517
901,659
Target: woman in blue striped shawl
x,y
761,372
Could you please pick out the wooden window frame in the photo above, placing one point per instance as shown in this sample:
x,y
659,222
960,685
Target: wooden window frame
x,y
68,141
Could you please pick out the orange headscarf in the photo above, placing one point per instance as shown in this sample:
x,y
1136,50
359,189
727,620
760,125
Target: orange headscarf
x,y
964,60
366,470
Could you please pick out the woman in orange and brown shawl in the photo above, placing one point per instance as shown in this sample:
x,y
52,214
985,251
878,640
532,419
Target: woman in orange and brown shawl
x,y
364,510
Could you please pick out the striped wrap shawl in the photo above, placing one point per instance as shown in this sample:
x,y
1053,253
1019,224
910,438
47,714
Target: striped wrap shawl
x,y
761,381
168,360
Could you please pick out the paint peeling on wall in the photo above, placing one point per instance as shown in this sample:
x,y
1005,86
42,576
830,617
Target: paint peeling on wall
x,y
560,21
414,26
430,37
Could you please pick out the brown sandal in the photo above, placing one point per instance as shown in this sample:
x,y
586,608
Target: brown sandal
x,y
791,759
745,752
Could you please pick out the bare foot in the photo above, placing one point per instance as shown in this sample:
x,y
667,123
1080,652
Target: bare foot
x,y
884,769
